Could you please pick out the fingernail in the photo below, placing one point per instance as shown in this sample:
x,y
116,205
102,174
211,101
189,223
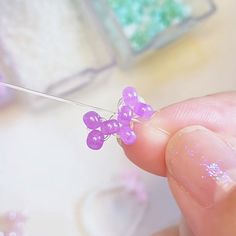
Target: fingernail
x,y
203,164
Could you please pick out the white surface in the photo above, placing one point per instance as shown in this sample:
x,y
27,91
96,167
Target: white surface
x,y
46,41
46,169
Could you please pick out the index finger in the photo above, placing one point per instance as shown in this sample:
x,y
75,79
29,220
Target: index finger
x,y
216,112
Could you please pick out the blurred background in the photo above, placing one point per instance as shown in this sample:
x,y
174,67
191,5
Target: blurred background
x,y
78,50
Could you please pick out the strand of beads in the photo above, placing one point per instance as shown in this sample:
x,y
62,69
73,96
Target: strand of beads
x,y
131,108
101,129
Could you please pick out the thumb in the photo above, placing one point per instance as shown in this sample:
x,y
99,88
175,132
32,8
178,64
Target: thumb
x,y
201,170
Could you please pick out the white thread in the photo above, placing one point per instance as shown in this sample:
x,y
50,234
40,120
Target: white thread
x,y
33,92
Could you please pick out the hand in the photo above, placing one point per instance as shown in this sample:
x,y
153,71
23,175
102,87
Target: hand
x,y
199,159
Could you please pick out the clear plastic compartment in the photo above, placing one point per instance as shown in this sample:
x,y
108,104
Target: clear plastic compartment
x,y
135,28
49,47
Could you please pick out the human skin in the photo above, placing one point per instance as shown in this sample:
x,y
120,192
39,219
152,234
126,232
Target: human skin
x,y
198,157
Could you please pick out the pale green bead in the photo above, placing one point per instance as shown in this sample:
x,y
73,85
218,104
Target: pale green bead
x,y
142,20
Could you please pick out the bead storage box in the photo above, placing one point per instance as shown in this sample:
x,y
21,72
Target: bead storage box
x,y
47,46
137,27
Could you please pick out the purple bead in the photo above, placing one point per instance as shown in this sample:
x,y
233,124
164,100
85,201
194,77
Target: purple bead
x,y
125,115
92,120
109,127
130,96
143,110
95,139
13,216
127,135
11,233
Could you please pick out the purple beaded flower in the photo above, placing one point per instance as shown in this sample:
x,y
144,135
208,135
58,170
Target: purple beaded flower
x,y
131,107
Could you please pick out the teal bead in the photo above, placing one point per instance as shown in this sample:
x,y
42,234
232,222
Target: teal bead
x,y
147,18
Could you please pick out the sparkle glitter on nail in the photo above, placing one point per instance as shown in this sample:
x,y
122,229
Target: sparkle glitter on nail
x,y
189,151
221,177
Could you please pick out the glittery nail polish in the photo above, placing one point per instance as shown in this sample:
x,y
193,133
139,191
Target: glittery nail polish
x,y
203,164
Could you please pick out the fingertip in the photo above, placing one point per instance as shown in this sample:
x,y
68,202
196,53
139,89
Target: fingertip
x,y
200,156
148,152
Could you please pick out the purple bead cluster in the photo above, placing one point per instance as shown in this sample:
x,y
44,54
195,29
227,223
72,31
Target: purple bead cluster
x,y
131,108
